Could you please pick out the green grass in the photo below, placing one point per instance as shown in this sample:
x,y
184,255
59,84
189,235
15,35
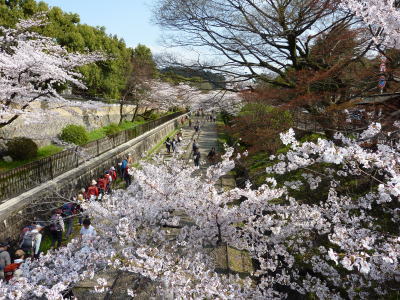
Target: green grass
x,y
101,132
43,152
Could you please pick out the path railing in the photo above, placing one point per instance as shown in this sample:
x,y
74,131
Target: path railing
x,y
26,177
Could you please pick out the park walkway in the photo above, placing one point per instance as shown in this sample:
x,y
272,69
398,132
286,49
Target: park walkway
x,y
227,260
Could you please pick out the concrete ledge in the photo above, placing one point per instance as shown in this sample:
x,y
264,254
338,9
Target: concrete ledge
x,y
15,212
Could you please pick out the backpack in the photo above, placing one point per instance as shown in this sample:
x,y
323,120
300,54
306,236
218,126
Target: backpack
x,y
25,230
68,209
10,269
55,223
28,240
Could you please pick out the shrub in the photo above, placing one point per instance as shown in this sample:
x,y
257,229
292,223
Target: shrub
x,y
111,129
75,134
22,149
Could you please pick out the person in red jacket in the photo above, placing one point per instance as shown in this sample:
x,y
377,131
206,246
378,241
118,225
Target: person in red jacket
x,y
102,184
113,173
93,191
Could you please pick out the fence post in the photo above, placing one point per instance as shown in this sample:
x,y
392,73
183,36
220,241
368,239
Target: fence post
x,y
77,156
97,145
51,167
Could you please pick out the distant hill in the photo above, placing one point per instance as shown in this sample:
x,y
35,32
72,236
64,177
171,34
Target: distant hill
x,y
205,79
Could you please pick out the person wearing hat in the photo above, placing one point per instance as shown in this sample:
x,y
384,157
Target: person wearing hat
x,y
130,159
93,190
5,258
32,239
84,194
113,173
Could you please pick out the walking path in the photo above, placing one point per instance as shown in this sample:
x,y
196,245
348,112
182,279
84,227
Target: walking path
x,y
227,259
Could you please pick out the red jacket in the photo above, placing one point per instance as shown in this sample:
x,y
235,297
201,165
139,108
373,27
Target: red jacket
x,y
86,196
113,174
102,183
93,191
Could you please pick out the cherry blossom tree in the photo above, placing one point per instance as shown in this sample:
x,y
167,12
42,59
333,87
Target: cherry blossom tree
x,y
383,17
164,96
311,235
34,67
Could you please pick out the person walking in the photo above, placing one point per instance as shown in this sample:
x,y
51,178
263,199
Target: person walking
x,y
5,258
168,145
190,123
197,127
124,165
195,146
197,157
56,228
68,211
127,177
173,144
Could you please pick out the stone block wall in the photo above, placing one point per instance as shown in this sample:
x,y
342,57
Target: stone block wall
x,y
50,125
35,204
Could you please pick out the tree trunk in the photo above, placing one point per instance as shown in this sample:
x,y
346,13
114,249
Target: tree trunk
x,y
135,113
121,111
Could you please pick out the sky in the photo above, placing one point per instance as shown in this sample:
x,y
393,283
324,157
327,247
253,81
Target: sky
x,y
128,19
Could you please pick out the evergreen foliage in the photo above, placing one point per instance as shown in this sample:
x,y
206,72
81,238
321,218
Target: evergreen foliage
x,y
75,134
103,79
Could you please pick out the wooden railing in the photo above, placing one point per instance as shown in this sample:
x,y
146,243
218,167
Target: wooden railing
x,y
26,177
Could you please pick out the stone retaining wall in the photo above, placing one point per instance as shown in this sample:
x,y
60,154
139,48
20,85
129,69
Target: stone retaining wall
x,y
50,125
19,211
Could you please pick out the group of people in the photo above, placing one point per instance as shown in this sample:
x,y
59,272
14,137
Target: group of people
x,y
30,242
171,145
61,222
62,219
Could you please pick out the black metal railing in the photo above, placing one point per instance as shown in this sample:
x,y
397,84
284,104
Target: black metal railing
x,y
27,177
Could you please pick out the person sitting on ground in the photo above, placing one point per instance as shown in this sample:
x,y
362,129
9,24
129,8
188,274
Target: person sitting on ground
x,y
87,230
5,258
56,228
93,190
32,239
13,270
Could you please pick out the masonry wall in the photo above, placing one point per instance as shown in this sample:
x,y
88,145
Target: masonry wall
x,y
37,203
49,125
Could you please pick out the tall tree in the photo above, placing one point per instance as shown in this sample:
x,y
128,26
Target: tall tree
x,y
251,37
142,69
32,67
